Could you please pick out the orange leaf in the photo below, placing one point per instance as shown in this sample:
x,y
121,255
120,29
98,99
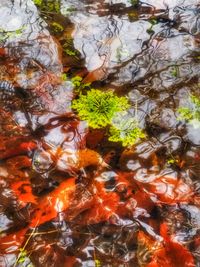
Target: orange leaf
x,y
12,242
55,202
104,206
176,254
167,254
23,192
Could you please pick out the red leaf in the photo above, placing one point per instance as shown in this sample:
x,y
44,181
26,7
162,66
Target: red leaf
x,y
47,209
133,197
27,146
12,242
164,254
10,147
175,253
23,192
55,202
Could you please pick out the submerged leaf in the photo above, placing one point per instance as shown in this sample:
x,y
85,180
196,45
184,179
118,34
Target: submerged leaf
x,y
55,202
18,145
191,113
23,192
152,253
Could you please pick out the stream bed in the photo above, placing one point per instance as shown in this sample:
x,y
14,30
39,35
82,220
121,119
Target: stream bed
x,y
99,133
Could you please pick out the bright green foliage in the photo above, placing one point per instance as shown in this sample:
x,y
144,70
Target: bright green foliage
x,y
172,161
191,113
185,113
64,77
174,71
23,259
78,84
196,101
68,48
48,5
76,81
97,263
127,137
153,22
70,52
125,129
37,2
22,255
57,28
98,108
7,34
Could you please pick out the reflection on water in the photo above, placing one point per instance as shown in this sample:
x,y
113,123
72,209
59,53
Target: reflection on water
x,y
121,199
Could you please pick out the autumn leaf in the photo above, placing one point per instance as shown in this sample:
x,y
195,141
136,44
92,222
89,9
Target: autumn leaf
x,y
53,203
47,209
23,191
174,253
153,253
15,146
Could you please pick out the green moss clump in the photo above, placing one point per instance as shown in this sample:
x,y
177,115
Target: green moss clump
x,y
185,114
77,81
68,48
57,28
4,35
125,129
191,113
48,5
37,2
78,84
128,137
98,108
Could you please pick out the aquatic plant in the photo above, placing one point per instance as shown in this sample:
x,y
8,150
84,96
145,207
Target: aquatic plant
x,y
128,137
134,2
37,2
78,84
4,34
190,114
153,22
97,263
171,161
68,48
57,27
76,80
64,77
23,258
98,108
70,52
174,71
48,5
125,129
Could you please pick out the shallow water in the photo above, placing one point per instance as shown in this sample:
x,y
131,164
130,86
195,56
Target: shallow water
x,y
147,51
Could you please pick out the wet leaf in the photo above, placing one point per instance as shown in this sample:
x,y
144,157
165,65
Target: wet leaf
x,y
172,254
15,146
55,202
47,209
152,253
23,191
